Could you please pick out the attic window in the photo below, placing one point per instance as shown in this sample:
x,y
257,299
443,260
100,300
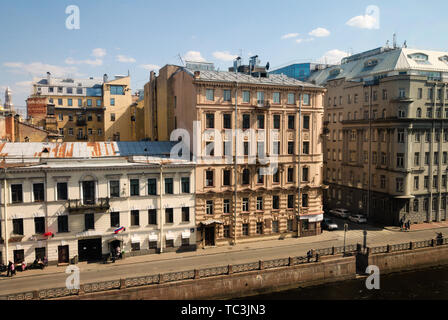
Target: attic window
x,y
444,59
419,58
46,150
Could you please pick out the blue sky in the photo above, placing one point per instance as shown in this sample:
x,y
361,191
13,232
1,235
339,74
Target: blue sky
x,y
140,35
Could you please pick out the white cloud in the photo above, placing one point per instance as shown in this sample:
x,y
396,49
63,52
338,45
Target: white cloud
x,y
304,40
194,56
363,22
40,69
96,62
150,67
99,52
124,59
224,55
290,35
333,56
319,32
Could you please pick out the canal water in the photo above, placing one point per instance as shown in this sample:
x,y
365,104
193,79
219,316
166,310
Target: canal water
x,y
422,284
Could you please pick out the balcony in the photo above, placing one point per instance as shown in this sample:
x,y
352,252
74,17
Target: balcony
x,y
79,206
263,103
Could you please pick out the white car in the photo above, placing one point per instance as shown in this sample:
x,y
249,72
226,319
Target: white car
x,y
358,218
343,213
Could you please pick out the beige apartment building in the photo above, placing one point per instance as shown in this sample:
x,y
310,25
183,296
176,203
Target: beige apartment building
x,y
83,109
267,206
386,120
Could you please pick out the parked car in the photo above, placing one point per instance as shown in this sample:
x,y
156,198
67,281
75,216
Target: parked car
x,y
358,218
329,224
342,213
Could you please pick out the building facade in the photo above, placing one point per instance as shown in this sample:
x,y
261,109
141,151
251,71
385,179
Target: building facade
x,y
386,119
70,200
267,205
299,71
83,109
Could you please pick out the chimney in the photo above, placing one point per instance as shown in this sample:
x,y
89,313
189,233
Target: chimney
x,y
197,74
48,78
152,76
105,78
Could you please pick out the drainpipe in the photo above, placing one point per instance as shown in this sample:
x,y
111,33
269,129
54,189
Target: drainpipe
x,y
236,165
299,162
160,208
5,209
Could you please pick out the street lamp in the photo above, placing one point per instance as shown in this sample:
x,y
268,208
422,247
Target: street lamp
x,y
345,235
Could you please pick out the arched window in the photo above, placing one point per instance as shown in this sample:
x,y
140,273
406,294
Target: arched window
x,y
419,113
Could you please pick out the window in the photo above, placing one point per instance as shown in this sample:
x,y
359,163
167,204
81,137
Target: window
x,y
260,121
305,174
152,217
39,225
246,96
402,93
400,136
169,216
60,102
400,160
185,214
260,177
383,182
99,118
276,147
117,90
112,117
245,227
17,226
209,178
259,203
245,205
306,147
276,177
291,98
135,246
275,202
70,102
210,121
277,121
185,182
420,93
16,193
260,97
62,224
275,228
62,193
259,227
427,158
246,177
114,219
305,200
112,101
89,102
276,97
210,94
306,99
226,178
226,207
227,122
417,159
290,175
169,186
416,183
135,187
226,231
227,95
290,223
399,184
89,221
429,113
416,205
209,206
291,120
246,121
98,103
100,132
306,122
135,218
290,147
290,201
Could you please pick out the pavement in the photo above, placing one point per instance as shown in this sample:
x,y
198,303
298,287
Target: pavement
x,y
54,276
421,226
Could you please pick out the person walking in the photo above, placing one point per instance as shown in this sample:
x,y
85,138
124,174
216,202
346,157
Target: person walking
x,y
9,273
401,224
13,269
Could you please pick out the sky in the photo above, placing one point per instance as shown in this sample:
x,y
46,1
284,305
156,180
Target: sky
x,y
117,36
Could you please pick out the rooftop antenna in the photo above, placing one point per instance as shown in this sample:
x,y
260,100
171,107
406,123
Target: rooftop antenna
x,y
180,58
395,41
405,44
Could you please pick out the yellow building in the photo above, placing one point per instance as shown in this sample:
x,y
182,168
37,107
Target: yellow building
x,y
85,109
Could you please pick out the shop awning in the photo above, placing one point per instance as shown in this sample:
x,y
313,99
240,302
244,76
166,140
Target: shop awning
x,y
186,234
170,236
153,237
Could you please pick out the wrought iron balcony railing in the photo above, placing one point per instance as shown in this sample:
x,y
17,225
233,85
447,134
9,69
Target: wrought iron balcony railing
x,y
81,205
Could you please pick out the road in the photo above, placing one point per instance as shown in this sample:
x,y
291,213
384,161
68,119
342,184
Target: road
x,y
54,277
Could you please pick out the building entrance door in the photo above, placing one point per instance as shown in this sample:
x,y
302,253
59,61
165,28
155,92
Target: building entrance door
x,y
90,249
209,233
63,254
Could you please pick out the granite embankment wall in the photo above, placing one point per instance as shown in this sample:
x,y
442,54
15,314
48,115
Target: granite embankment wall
x,y
238,284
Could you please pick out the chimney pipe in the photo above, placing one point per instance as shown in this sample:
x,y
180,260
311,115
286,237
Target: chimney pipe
x,y
48,78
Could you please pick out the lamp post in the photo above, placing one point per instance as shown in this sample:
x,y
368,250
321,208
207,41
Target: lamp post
x,y
345,235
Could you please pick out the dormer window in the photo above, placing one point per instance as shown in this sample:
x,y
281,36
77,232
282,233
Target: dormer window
x,y
370,63
419,58
444,59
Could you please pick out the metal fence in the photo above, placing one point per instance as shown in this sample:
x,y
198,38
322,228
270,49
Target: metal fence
x,y
219,271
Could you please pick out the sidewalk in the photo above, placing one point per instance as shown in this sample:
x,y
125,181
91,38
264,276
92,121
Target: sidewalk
x,y
421,226
264,244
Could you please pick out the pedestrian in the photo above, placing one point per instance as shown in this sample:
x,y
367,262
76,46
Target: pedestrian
x,y
13,269
309,255
9,273
409,225
401,224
